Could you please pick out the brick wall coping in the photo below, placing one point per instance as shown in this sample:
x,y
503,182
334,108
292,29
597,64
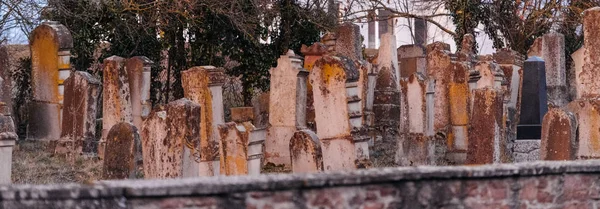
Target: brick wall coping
x,y
222,185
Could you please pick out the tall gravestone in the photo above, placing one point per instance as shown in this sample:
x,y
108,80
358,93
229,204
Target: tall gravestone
x,y
5,74
559,135
204,85
328,78
123,157
535,106
551,48
487,143
311,55
82,91
511,63
50,45
116,99
138,69
282,117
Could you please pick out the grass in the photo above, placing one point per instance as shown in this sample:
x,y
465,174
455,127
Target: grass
x,y
33,163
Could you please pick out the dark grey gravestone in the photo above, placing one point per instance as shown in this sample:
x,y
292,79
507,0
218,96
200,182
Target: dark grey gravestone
x,y
534,103
420,31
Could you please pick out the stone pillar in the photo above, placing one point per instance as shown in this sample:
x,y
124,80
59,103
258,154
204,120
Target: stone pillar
x,y
551,48
301,94
233,149
79,113
305,149
578,61
588,78
487,144
8,138
329,78
138,69
256,144
535,106
386,23
116,97
372,30
412,59
5,74
50,45
171,140
282,118
311,55
420,31
459,97
559,135
204,85
123,157
349,43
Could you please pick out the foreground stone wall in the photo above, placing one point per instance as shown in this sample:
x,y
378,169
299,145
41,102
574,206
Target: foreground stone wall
x,y
574,184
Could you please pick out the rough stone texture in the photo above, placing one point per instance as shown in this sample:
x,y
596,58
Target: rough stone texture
x,y
526,150
588,78
123,157
587,112
412,146
511,64
349,43
79,112
559,135
5,74
305,149
487,143
204,85
551,48
116,97
459,97
527,185
261,110
328,78
412,59
311,55
50,45
439,69
282,117
233,149
242,114
577,68
138,70
8,138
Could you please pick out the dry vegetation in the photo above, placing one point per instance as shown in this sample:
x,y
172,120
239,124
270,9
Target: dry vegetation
x,y
33,164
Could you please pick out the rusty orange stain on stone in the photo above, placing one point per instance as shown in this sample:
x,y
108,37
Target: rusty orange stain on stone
x,y
44,59
459,101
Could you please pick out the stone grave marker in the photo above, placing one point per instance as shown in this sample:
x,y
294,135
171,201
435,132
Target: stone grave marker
x,y
116,97
123,157
306,154
535,106
559,135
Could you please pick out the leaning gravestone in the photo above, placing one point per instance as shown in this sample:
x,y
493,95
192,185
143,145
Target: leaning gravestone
x,y
123,157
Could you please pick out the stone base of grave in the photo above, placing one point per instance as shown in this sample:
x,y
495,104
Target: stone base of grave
x,y
44,121
6,148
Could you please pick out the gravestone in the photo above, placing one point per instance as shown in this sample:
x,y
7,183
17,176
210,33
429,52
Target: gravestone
x,y
50,45
282,116
123,157
204,85
412,59
8,137
116,97
588,78
487,143
413,146
535,106
349,43
311,55
79,113
559,135
256,144
261,110
5,74
438,65
551,48
138,70
233,149
306,154
420,31
578,62
329,78
158,162
459,97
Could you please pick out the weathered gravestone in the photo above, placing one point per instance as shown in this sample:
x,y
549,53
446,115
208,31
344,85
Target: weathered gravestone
x,y
79,114
577,68
387,103
534,107
311,55
171,141
559,135
138,70
487,143
551,48
234,148
261,110
8,138
116,99
123,157
413,146
511,63
204,85
328,78
306,154
5,74
50,65
412,59
282,116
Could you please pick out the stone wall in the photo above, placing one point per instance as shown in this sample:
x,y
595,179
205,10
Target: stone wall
x,y
574,184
